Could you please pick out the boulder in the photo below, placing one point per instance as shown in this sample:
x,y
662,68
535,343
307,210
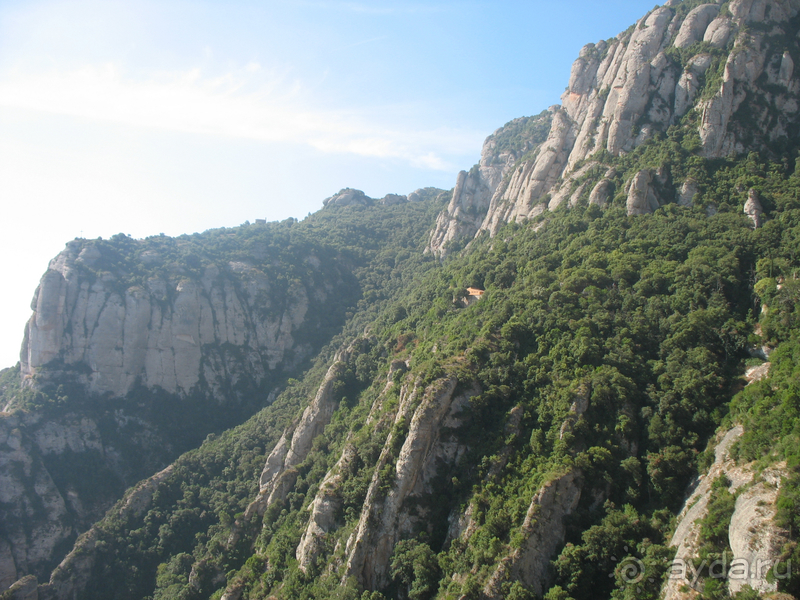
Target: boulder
x,y
641,196
602,193
753,209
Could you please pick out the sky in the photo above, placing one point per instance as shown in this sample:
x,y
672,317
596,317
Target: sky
x,y
169,116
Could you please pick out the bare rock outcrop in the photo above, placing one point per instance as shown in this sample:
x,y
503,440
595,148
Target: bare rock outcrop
x,y
174,333
687,192
37,514
24,589
695,25
385,518
348,197
687,534
278,475
623,91
474,189
602,193
70,578
323,511
755,540
544,531
753,209
642,198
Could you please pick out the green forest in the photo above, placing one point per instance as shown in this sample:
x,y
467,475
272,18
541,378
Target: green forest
x,y
647,318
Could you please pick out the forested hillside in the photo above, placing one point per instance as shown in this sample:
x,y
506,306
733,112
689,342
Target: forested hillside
x,y
574,377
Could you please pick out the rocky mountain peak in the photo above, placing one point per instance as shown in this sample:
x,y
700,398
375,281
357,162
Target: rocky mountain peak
x,y
724,70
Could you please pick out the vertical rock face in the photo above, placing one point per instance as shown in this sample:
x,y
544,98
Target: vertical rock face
x,y
44,504
753,209
641,196
544,532
386,517
756,542
173,332
474,190
623,91
118,320
278,476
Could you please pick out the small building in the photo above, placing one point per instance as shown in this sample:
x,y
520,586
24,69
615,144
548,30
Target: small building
x,y
473,295
261,221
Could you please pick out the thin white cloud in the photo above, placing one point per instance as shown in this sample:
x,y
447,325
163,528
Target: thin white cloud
x,y
230,105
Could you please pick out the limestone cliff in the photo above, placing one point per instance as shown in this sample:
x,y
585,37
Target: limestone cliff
x,y
474,189
59,475
174,330
724,70
133,346
755,541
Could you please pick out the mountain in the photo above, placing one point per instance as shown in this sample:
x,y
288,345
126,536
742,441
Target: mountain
x,y
572,377
723,72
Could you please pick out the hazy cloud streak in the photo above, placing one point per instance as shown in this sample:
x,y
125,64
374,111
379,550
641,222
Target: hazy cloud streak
x,y
276,111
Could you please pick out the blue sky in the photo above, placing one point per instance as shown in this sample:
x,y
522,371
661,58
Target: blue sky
x,y
175,116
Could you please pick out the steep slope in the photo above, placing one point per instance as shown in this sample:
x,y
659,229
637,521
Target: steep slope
x,y
451,452
474,190
138,349
724,70
540,440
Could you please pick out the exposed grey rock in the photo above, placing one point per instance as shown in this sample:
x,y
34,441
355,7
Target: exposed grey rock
x,y
719,32
687,533
170,335
520,199
348,197
687,192
754,539
70,578
278,474
641,196
624,91
752,535
323,510
543,533
464,214
426,450
474,191
24,589
753,209
695,25
602,193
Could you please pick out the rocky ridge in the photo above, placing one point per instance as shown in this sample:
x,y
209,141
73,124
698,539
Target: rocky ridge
x,y
210,335
693,68
352,197
474,190
756,542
